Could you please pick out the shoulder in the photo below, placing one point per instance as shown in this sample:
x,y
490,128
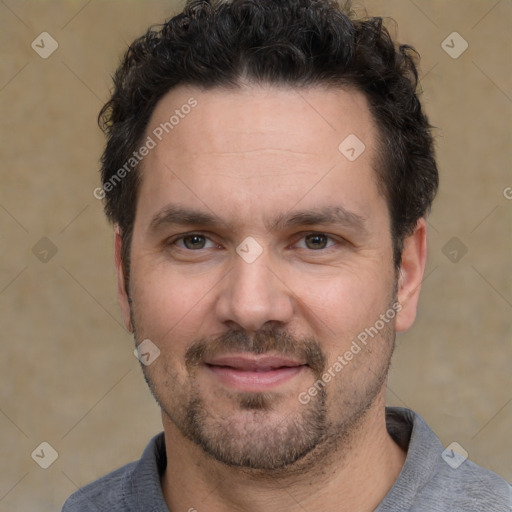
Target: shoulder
x,y
101,495
467,487
133,487
439,479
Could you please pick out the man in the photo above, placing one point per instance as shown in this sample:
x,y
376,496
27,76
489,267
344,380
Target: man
x,y
268,171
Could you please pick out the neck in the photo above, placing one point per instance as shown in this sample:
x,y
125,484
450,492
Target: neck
x,y
355,474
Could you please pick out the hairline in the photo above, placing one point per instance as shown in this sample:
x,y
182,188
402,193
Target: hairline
x,y
379,160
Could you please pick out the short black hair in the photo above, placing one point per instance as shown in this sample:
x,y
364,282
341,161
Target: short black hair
x,y
296,43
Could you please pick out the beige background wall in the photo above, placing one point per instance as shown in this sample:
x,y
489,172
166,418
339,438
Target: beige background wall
x,y
67,372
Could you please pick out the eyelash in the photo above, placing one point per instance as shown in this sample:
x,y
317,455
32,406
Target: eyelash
x,y
174,241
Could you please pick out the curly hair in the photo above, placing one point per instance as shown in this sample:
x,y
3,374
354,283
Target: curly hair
x,y
296,43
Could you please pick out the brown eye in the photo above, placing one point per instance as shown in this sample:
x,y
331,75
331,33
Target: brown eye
x,y
316,241
194,242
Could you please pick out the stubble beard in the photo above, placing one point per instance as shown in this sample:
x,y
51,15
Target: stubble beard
x,y
255,439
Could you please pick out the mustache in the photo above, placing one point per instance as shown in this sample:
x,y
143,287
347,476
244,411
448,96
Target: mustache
x,y
268,340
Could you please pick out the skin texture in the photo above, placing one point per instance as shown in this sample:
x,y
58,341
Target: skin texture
x,y
249,160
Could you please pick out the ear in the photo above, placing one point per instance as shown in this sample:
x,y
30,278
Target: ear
x,y
412,268
122,292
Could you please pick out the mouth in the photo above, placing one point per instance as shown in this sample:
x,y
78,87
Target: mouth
x,y
252,372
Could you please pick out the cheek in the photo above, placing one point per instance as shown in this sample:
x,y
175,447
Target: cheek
x,y
168,303
344,303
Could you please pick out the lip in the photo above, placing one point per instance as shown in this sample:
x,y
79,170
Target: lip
x,y
249,362
254,373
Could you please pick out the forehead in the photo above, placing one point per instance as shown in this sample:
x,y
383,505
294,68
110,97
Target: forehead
x,y
240,119
268,144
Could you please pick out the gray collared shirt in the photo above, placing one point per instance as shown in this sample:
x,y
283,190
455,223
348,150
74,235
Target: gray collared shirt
x,y
430,480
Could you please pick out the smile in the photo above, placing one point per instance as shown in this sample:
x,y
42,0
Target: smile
x,y
254,373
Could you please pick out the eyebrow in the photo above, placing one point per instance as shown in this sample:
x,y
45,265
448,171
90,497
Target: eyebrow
x,y
170,215
327,215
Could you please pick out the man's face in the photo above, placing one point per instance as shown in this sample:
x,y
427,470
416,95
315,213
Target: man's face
x,y
260,252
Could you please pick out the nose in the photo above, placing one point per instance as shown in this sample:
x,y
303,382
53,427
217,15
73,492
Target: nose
x,y
253,295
